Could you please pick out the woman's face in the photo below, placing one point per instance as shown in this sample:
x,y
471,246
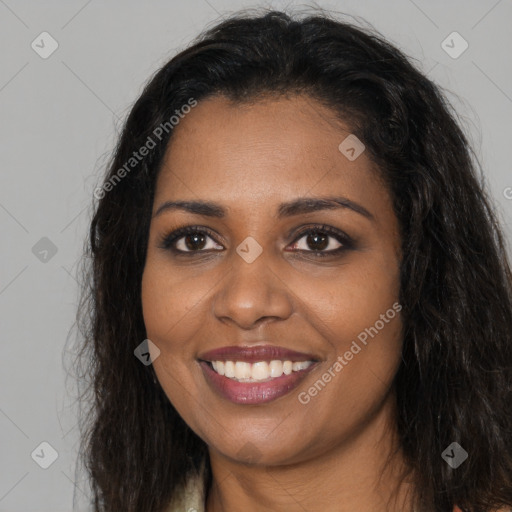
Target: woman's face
x,y
260,275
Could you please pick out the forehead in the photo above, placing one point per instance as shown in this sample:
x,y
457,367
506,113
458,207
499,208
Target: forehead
x,y
258,153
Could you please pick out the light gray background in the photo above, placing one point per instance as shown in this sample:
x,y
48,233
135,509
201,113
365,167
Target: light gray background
x,y
59,121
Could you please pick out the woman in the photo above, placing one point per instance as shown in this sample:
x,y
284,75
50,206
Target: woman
x,y
300,296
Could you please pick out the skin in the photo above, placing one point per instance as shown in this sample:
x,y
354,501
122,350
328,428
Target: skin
x,y
329,453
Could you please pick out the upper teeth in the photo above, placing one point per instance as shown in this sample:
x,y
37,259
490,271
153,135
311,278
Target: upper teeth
x,y
247,372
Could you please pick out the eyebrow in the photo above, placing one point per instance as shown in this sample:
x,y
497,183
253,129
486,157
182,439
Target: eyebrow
x,y
301,205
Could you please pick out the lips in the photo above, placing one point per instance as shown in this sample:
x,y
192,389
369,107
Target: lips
x,y
244,391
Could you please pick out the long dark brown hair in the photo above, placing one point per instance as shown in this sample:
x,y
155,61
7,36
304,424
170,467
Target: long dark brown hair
x,y
455,379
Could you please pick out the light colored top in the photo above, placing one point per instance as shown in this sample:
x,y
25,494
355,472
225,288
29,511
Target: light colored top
x,y
191,497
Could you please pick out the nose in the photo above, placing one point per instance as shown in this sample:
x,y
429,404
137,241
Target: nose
x,y
251,294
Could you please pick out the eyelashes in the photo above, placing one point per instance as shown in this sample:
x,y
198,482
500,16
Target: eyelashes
x,y
201,234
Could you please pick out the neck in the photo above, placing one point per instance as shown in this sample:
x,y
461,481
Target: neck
x,y
363,472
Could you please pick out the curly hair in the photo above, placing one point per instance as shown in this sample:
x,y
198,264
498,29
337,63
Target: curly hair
x,y
454,382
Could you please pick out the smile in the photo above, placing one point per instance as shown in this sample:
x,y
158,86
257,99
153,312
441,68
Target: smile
x,y
271,380
255,374
242,371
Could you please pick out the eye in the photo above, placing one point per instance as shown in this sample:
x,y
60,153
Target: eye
x,y
190,239
322,241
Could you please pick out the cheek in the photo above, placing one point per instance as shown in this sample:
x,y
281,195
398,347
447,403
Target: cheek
x,y
353,299
167,299
164,307
173,311
357,313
